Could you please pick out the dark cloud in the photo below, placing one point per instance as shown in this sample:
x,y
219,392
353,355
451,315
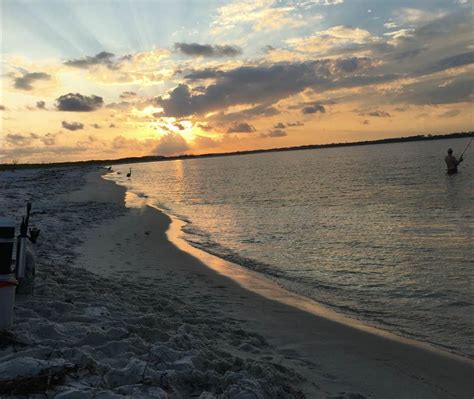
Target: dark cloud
x,y
204,127
408,54
26,81
207,73
262,110
262,84
78,103
439,92
242,127
279,125
171,144
128,94
274,133
312,109
207,50
451,62
352,64
40,105
72,125
297,123
103,58
179,126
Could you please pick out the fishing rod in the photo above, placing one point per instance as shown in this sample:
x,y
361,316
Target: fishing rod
x,y
468,144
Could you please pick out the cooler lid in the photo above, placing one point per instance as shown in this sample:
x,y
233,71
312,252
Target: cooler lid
x,y
8,223
7,228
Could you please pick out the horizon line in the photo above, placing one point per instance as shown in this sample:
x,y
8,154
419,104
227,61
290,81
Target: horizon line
x,y
156,158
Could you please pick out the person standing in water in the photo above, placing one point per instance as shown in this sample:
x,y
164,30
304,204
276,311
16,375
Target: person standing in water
x,y
451,162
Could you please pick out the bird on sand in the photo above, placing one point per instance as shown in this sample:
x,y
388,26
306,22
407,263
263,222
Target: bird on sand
x,y
129,173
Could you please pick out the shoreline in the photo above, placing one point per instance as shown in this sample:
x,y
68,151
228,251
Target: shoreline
x,y
261,284
264,286
390,353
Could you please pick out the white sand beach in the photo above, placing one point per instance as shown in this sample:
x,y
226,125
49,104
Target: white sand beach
x,y
124,308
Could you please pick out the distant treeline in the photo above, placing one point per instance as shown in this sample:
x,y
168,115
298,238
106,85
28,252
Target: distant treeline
x,y
155,158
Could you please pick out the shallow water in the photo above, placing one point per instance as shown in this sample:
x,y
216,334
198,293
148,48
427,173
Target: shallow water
x,y
380,233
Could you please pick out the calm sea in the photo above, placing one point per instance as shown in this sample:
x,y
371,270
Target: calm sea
x,y
380,233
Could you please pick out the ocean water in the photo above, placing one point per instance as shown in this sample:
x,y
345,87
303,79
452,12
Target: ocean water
x,y
380,233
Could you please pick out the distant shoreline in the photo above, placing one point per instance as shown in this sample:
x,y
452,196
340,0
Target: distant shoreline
x,y
156,158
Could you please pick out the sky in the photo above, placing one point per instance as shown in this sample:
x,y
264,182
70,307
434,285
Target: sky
x,y
105,79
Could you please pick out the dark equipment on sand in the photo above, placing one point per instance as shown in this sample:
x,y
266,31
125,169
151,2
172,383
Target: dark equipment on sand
x,y
25,265
7,239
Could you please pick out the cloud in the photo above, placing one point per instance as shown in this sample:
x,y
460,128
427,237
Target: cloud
x,y
202,142
207,73
332,40
263,84
313,109
297,123
122,105
78,102
434,92
259,111
205,127
242,127
103,58
120,142
180,126
26,81
72,125
49,139
128,94
256,15
40,105
450,114
390,25
326,2
207,50
409,54
25,140
19,139
274,133
454,61
171,144
416,16
377,114
29,152
279,125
